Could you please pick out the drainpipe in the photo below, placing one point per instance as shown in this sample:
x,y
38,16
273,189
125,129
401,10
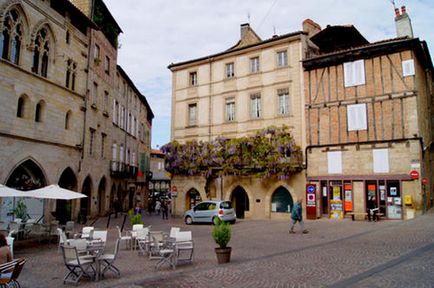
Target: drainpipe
x,y
209,99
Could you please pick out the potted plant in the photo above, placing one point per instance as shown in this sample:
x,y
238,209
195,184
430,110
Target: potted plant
x,y
135,218
221,233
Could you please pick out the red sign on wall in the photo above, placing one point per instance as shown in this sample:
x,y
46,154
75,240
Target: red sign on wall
x,y
424,181
414,175
310,201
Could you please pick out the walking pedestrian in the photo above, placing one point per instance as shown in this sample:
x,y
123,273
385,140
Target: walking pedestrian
x,y
372,209
164,209
117,206
297,216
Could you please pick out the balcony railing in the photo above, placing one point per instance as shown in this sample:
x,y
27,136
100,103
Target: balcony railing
x,y
123,170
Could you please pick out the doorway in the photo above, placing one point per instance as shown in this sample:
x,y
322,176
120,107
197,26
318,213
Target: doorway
x,y
240,201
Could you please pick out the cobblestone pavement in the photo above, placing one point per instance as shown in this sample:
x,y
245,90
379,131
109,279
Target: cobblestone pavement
x,y
336,253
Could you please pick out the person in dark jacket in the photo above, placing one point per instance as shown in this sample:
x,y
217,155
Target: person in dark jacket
x,y
297,216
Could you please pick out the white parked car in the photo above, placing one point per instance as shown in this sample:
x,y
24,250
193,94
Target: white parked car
x,y
208,211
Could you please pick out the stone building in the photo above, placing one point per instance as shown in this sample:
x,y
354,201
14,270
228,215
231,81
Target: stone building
x,y
368,109
253,85
55,127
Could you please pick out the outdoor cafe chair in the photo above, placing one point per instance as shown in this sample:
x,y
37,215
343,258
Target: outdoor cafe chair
x,y
63,240
38,230
10,242
76,266
69,228
108,260
6,271
124,238
173,231
157,239
143,240
16,272
166,254
86,231
99,236
184,247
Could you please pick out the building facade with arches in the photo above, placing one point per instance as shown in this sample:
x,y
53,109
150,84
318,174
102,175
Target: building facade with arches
x,y
59,85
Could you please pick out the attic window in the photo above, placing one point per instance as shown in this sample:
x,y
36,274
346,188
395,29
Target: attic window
x,y
408,68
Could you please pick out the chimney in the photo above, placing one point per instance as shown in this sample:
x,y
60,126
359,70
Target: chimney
x,y
311,27
244,30
403,23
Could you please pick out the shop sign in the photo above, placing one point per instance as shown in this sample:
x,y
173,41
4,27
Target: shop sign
x,y
348,205
424,180
174,191
414,175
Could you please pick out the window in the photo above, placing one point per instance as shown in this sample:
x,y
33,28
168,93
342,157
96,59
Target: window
x,y
91,140
356,117
67,120
408,68
71,71
107,65
41,53
68,36
230,110
282,59
354,73
255,104
334,161
11,37
39,111
106,102
21,107
115,111
254,65
283,97
380,160
96,53
230,70
192,114
94,95
103,137
193,78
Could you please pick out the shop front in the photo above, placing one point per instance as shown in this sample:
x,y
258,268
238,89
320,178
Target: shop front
x,y
340,196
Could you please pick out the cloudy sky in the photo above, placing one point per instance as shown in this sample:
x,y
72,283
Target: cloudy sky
x,y
160,32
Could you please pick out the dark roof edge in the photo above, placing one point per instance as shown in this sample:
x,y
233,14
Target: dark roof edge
x,y
374,49
141,96
111,16
237,49
75,9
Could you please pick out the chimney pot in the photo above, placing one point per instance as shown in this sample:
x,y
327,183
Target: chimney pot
x,y
404,10
397,12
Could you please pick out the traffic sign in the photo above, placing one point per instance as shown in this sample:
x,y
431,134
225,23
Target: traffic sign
x,y
310,188
424,180
174,189
414,174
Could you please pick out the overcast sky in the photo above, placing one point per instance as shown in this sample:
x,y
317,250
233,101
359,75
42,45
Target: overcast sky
x,y
159,32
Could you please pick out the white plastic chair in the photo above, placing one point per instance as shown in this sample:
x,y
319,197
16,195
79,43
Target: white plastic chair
x,y
124,238
108,260
174,231
85,231
184,247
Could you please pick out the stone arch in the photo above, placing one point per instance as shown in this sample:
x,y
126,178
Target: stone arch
x,y
16,4
28,174
240,201
35,30
281,200
102,195
40,111
68,119
85,203
192,197
23,106
64,209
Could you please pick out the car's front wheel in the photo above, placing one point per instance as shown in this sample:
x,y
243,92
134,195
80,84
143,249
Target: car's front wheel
x,y
188,220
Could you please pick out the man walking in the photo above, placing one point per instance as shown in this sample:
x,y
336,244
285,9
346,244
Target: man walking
x,y
297,216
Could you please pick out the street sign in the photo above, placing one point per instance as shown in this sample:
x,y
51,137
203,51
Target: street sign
x,y
414,175
174,189
424,181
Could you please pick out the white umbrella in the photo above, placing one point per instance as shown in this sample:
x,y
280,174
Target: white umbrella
x,y
10,192
55,192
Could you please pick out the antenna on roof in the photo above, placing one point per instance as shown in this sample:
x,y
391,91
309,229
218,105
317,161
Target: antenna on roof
x,y
248,17
274,30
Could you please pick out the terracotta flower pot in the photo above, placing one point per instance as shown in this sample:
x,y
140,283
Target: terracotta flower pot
x,y
223,255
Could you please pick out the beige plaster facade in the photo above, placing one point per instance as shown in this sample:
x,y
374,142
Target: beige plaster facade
x,y
220,89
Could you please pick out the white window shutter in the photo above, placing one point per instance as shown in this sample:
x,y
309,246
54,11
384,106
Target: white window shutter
x,y
380,160
408,68
334,161
356,117
348,74
359,72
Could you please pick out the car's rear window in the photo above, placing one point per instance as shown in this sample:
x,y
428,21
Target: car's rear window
x,y
226,205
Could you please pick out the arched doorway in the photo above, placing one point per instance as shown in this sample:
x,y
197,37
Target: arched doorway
x,y
192,198
27,176
281,201
101,196
64,207
240,201
85,202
